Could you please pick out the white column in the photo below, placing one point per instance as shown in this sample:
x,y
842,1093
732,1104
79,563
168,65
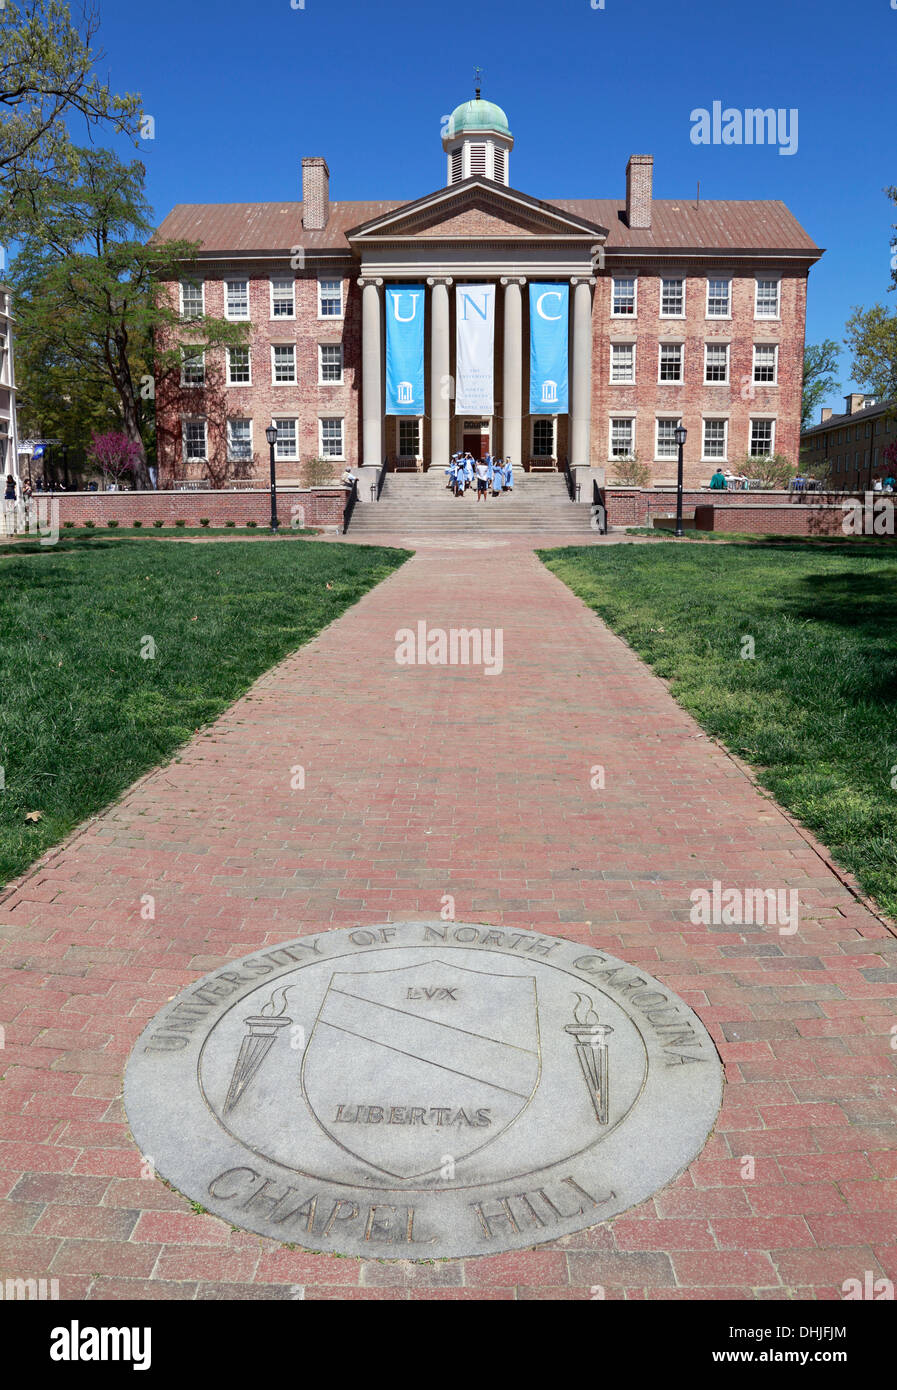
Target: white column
x,y
440,392
512,381
581,403
371,373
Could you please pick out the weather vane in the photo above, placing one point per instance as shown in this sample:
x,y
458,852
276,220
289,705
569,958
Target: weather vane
x,y
477,78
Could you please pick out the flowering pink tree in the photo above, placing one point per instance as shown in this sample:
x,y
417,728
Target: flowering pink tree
x,y
114,454
890,454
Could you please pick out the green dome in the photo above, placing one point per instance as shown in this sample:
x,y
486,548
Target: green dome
x,y
478,115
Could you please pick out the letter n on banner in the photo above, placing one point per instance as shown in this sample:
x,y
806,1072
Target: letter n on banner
x,y
474,349
548,337
404,350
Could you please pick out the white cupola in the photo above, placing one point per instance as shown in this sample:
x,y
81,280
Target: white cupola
x,y
477,141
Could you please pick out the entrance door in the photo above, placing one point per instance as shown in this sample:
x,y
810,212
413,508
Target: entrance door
x,y
476,444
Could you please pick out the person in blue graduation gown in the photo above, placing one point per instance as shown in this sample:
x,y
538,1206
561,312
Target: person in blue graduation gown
x,y
497,477
468,471
508,477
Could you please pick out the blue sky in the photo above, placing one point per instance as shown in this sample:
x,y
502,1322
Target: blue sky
x,y
241,91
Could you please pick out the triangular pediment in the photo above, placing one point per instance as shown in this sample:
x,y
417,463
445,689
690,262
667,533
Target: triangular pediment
x,y
476,210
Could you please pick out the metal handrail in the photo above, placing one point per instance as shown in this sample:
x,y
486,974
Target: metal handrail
x,y
350,505
599,508
572,487
381,479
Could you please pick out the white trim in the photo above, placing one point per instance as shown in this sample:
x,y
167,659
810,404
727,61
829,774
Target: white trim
x,y
334,458
775,364
768,419
768,275
672,342
613,312
192,385
236,280
294,381
621,415
227,440
194,420
714,343
658,456
683,279
282,279
342,365
286,458
630,381
331,318
240,347
714,458
192,280
717,318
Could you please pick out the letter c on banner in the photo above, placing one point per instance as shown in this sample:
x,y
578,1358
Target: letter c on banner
x,y
547,295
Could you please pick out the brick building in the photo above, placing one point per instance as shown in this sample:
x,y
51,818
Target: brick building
x,y
848,451
679,311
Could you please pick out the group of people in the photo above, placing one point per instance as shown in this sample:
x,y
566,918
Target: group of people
x,y
491,475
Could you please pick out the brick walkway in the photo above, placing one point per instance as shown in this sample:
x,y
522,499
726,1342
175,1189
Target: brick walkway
x,y
421,782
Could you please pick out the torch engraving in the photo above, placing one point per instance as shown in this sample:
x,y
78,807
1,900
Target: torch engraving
x,y
591,1049
263,1029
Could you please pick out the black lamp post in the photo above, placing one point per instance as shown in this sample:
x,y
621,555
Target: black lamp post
x,y
681,436
271,436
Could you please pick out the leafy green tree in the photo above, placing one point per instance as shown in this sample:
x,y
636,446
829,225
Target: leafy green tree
x,y
92,311
872,339
47,79
820,365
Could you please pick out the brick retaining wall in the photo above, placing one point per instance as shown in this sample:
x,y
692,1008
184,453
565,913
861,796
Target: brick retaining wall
x,y
772,512
322,506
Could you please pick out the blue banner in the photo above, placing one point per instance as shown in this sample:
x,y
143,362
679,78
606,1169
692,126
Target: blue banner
x,y
548,315
404,349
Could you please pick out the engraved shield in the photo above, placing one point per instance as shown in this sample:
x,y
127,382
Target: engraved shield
x,y
412,1067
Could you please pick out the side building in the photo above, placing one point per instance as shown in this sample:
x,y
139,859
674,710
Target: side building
x,y
848,451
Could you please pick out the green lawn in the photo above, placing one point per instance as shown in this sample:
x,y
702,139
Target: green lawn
x,y
83,714
815,709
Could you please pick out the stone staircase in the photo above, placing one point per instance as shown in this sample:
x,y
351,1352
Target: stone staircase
x,y
418,504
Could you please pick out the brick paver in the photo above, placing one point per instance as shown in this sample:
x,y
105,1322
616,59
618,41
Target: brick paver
x,y
420,782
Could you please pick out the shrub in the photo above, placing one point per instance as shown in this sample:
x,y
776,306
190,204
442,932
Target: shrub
x,y
775,471
630,472
113,523
158,523
68,524
136,524
91,524
203,521
230,523
180,522
252,523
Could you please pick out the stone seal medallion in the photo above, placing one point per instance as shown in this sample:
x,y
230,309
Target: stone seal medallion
x,y
422,1090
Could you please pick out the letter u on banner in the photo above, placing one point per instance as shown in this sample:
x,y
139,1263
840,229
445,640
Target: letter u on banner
x,y
404,350
474,349
548,337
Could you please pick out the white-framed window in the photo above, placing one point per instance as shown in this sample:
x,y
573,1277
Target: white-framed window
x,y
330,299
716,363
763,438
283,364
193,368
194,440
193,299
716,439
236,299
287,446
408,437
665,446
622,362
766,363
283,297
672,298
766,302
330,364
239,440
670,366
239,367
623,296
719,297
543,432
330,429
622,437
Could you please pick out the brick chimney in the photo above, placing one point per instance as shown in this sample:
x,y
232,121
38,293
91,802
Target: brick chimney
x,y
825,414
639,180
855,401
315,192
